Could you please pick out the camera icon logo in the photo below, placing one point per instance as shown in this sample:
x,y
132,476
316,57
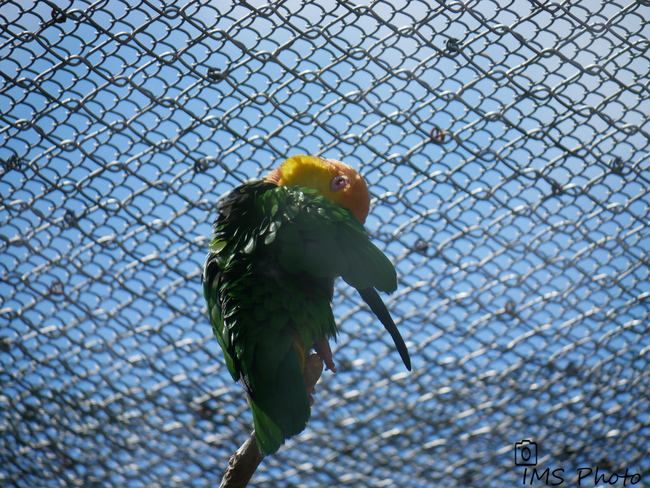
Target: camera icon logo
x,y
525,453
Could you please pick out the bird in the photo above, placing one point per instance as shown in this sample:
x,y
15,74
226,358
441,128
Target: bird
x,y
278,245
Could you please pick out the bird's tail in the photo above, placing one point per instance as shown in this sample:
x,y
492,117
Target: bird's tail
x,y
278,396
268,435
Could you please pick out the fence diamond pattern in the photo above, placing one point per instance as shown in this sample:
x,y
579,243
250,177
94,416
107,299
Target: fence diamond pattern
x,y
506,148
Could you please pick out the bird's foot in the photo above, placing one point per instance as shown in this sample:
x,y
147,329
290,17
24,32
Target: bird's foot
x,y
324,352
312,372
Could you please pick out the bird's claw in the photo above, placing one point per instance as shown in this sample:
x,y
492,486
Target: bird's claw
x,y
324,352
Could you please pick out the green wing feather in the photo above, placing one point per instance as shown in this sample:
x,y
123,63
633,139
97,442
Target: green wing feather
x,y
335,242
327,240
268,283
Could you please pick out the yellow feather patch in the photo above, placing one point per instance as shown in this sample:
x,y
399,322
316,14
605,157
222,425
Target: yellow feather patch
x,y
307,171
318,173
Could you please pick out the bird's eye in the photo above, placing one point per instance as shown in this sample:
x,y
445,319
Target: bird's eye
x,y
339,182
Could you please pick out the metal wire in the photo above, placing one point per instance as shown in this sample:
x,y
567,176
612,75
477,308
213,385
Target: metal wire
x,y
506,147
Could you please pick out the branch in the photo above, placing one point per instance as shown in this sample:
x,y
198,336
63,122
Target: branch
x,y
244,462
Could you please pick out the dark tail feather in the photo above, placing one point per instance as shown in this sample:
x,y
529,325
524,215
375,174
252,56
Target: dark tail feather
x,y
372,298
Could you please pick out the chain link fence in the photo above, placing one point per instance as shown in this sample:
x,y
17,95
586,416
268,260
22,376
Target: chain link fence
x,y
506,149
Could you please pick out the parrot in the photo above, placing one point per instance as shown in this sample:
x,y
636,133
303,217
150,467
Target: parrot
x,y
278,244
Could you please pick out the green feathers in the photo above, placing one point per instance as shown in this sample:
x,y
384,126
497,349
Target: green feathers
x,y
268,283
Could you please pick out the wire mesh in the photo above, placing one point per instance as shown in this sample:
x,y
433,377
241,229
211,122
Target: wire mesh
x,y
506,149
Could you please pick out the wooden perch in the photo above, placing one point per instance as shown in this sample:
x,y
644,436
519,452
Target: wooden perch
x,y
245,461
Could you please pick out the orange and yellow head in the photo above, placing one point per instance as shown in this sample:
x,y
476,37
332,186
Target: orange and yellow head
x,y
335,180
